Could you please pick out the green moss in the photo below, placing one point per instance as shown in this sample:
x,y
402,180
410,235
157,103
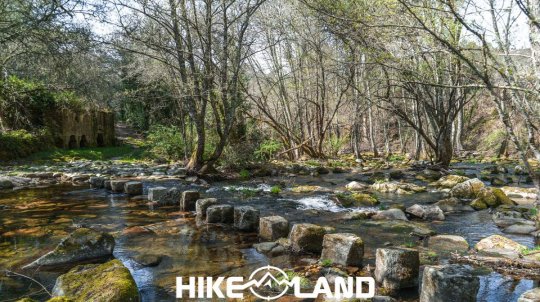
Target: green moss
x,y
109,281
326,262
501,197
305,189
479,204
60,299
275,190
26,299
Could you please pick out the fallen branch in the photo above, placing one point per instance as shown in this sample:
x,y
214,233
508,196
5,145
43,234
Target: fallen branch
x,y
523,268
11,274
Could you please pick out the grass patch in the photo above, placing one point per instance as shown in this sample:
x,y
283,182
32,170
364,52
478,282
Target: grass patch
x,y
123,153
529,251
326,262
275,190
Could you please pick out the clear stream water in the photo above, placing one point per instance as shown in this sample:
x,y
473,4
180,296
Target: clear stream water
x,y
33,221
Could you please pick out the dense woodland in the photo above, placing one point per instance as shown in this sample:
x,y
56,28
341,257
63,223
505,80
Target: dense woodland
x,y
231,81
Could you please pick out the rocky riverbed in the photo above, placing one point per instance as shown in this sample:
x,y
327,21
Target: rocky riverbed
x,y
166,224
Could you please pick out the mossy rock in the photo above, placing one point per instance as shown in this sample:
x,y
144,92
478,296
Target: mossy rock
x,y
479,204
357,199
26,299
487,196
501,197
110,281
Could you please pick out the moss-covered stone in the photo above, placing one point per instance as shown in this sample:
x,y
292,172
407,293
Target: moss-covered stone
x,y
110,281
357,199
308,189
501,197
479,204
60,299
487,196
449,181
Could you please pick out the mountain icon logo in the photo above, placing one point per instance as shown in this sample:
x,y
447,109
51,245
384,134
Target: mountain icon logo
x,y
271,276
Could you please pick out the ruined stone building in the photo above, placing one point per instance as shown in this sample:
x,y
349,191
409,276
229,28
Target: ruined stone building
x,y
83,128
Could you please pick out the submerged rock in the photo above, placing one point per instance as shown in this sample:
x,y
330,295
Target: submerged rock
x,y
148,260
272,249
109,281
306,237
426,212
390,214
6,183
448,244
449,283
343,249
273,227
397,268
82,244
452,204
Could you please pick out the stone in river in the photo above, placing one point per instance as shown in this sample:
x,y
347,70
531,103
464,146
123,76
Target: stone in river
x,y
246,218
449,283
343,249
189,199
273,227
306,237
203,204
110,281
220,214
82,244
397,268
133,188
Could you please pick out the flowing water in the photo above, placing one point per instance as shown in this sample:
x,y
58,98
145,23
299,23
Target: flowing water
x,y
33,221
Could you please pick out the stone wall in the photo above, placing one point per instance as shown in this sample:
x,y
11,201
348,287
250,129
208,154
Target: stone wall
x,y
86,128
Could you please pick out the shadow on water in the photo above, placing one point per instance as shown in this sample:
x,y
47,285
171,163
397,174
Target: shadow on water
x,y
33,221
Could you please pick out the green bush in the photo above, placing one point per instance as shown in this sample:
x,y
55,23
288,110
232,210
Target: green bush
x,y
24,104
165,142
267,149
21,143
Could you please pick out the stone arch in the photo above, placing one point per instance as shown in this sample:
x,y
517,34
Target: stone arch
x,y
72,142
84,142
100,140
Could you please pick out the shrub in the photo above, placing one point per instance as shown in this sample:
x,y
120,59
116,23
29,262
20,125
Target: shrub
x,y
21,143
268,149
165,142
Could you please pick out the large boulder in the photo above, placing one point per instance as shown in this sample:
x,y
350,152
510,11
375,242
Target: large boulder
x,y
343,249
273,227
426,212
390,214
449,283
110,281
246,218
449,181
468,189
133,188
203,204
220,214
448,243
117,186
82,244
452,205
397,268
499,246
532,295
189,199
306,237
